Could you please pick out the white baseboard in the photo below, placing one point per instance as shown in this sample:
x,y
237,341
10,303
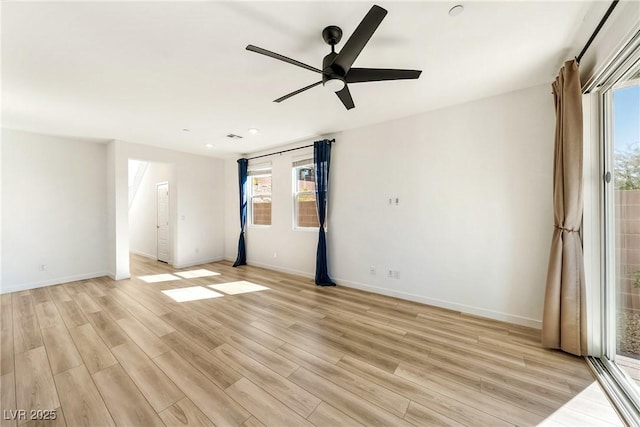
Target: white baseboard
x,y
199,262
118,277
281,269
54,281
463,308
144,254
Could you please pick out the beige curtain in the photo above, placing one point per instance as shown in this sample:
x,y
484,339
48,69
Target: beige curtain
x,y
564,319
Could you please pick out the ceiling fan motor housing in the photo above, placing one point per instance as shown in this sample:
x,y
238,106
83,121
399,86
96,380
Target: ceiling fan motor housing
x,y
329,70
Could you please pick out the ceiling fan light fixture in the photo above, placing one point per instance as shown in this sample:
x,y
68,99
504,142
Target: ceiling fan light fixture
x,y
334,84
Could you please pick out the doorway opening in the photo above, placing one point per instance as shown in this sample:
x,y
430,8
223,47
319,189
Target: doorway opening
x,y
151,210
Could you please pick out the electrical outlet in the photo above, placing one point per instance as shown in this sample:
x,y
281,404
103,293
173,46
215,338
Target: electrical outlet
x,y
396,274
42,267
372,270
390,274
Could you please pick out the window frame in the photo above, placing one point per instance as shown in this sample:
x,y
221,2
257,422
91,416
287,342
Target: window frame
x,y
295,167
257,172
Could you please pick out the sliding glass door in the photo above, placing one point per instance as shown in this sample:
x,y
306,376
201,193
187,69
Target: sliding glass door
x,y
620,102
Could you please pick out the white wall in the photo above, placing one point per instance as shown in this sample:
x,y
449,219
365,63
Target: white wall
x,y
473,226
118,216
142,213
54,210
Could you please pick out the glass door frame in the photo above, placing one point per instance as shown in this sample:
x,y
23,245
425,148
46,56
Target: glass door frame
x,y
620,71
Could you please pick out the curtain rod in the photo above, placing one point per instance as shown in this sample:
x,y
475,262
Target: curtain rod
x,y
613,5
285,151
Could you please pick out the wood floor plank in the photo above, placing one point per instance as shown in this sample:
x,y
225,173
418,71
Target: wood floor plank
x,y
295,397
159,390
108,329
264,406
365,352
145,316
40,295
422,416
151,301
71,314
94,352
184,414
487,409
267,357
216,370
196,333
35,388
6,335
521,398
363,387
26,330
317,347
8,398
326,415
252,422
247,330
143,337
48,315
354,406
60,348
111,307
211,400
86,303
127,405
59,293
81,401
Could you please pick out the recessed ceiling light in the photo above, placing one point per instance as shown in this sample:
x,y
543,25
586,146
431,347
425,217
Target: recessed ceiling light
x,y
208,145
254,131
456,10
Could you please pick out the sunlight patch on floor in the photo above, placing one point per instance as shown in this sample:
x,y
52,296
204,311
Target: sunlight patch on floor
x,y
193,274
241,287
155,278
591,403
193,293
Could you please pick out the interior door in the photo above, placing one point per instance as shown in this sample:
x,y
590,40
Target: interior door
x,y
162,221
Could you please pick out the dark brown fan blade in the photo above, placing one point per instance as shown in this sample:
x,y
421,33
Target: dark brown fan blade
x,y
345,97
297,92
262,51
359,38
358,75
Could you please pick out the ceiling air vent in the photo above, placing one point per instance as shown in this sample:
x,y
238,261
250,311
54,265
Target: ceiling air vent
x,y
234,136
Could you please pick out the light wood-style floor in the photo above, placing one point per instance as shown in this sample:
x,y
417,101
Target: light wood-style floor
x,y
122,353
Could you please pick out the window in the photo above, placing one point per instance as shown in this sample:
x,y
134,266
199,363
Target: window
x,y
304,195
260,194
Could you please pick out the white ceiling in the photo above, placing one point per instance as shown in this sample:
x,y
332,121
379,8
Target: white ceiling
x,y
143,71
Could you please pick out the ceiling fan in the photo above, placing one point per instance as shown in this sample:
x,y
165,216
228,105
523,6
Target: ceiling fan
x,y
336,67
